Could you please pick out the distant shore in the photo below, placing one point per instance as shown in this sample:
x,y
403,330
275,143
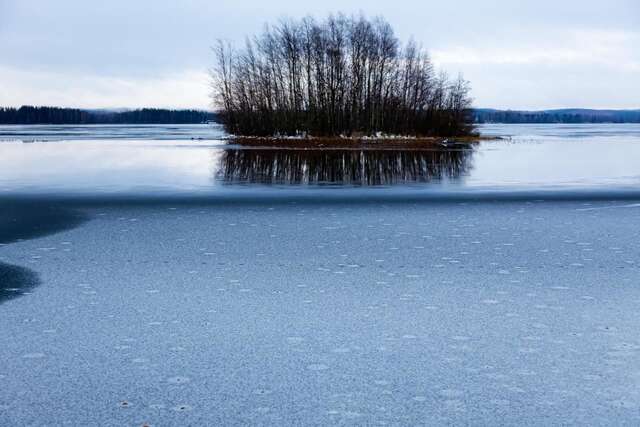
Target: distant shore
x,y
29,115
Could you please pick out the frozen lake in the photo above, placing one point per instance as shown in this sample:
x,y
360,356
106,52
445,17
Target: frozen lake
x,y
195,160
164,280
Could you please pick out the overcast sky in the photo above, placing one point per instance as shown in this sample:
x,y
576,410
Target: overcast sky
x,y
132,53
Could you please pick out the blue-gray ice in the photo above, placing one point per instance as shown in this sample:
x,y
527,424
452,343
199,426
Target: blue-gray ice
x,y
488,312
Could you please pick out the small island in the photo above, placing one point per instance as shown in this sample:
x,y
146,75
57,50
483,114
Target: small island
x,y
344,81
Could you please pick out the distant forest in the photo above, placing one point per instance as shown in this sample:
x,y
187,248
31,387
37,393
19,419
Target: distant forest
x,y
57,115
556,116
339,76
54,115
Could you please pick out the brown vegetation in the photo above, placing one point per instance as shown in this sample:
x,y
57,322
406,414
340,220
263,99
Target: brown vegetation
x,y
405,143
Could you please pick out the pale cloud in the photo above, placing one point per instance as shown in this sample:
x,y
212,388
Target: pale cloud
x,y
615,49
187,89
123,53
590,68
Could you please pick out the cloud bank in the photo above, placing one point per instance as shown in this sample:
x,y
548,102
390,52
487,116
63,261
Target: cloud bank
x,y
533,54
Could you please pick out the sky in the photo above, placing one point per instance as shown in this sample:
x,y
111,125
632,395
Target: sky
x,y
524,54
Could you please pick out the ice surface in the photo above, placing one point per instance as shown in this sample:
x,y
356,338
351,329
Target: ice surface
x,y
488,312
148,279
143,161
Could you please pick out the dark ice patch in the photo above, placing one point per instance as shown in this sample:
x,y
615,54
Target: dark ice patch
x,y
15,281
23,220
29,220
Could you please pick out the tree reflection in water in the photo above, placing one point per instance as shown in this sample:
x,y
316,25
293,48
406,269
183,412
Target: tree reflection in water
x,y
342,167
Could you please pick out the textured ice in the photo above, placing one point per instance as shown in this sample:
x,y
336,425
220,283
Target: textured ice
x,y
135,325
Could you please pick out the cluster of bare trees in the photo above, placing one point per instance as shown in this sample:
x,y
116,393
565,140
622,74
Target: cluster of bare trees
x,y
342,76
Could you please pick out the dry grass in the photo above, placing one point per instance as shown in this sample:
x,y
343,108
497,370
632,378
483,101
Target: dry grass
x,y
357,143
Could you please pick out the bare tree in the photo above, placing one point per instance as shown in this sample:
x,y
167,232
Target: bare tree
x,y
342,76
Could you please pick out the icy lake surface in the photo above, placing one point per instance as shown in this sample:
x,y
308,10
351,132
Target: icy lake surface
x,y
150,278
195,159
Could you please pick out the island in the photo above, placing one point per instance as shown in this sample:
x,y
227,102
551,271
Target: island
x,y
342,80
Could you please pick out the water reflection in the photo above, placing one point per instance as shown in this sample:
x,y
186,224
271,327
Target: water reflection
x,y
40,133
342,167
144,167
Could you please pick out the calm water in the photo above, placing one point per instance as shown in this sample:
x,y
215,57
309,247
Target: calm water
x,y
196,159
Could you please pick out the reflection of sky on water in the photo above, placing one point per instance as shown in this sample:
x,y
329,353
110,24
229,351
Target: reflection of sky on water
x,y
110,132
102,166
561,130
599,158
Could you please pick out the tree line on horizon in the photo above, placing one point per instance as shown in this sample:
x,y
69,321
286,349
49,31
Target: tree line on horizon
x,y
55,115
556,116
340,76
58,115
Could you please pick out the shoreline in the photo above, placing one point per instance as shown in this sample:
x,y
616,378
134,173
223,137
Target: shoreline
x,y
319,195
381,143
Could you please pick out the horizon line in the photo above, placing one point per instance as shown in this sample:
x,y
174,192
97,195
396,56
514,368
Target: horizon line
x,y
210,110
